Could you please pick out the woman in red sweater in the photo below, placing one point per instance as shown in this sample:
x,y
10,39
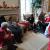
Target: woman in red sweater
x,y
7,37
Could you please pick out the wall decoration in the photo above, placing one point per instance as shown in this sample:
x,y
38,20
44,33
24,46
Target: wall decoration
x,y
9,3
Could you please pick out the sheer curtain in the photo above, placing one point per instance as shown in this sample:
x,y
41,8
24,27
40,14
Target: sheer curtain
x,y
25,7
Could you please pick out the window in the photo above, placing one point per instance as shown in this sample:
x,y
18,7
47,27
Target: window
x,y
26,7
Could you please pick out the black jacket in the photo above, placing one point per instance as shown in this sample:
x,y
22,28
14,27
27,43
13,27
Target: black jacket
x,y
31,20
2,19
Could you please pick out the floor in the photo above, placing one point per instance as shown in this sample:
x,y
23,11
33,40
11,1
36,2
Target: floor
x,y
33,41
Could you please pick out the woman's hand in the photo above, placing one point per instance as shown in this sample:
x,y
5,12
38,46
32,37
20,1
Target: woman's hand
x,y
6,36
12,34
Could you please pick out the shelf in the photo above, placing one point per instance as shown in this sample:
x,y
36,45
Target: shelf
x,y
9,11
9,8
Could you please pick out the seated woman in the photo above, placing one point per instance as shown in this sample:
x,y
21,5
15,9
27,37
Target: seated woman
x,y
8,37
41,23
31,21
16,30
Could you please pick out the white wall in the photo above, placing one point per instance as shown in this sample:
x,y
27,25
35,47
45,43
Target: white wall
x,y
45,6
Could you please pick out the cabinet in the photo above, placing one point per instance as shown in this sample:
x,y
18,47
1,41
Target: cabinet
x,y
13,10
9,11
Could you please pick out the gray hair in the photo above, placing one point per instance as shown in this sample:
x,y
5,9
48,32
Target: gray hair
x,y
4,24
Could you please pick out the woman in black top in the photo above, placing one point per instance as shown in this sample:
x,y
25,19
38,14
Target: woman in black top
x,y
2,19
31,19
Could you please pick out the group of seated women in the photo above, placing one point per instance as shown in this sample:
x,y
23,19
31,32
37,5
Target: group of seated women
x,y
10,33
41,24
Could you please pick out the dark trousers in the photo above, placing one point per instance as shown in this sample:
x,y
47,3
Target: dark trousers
x,y
10,45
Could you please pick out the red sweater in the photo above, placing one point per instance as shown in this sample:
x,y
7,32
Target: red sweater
x,y
1,37
47,19
3,33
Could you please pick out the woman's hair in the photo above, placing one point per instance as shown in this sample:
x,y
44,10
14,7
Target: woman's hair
x,y
4,25
10,18
31,14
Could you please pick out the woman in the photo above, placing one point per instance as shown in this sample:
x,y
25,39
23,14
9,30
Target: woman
x,y
47,32
31,21
8,37
16,30
2,19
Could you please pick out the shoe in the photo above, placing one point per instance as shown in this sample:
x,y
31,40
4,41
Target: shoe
x,y
15,45
20,42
